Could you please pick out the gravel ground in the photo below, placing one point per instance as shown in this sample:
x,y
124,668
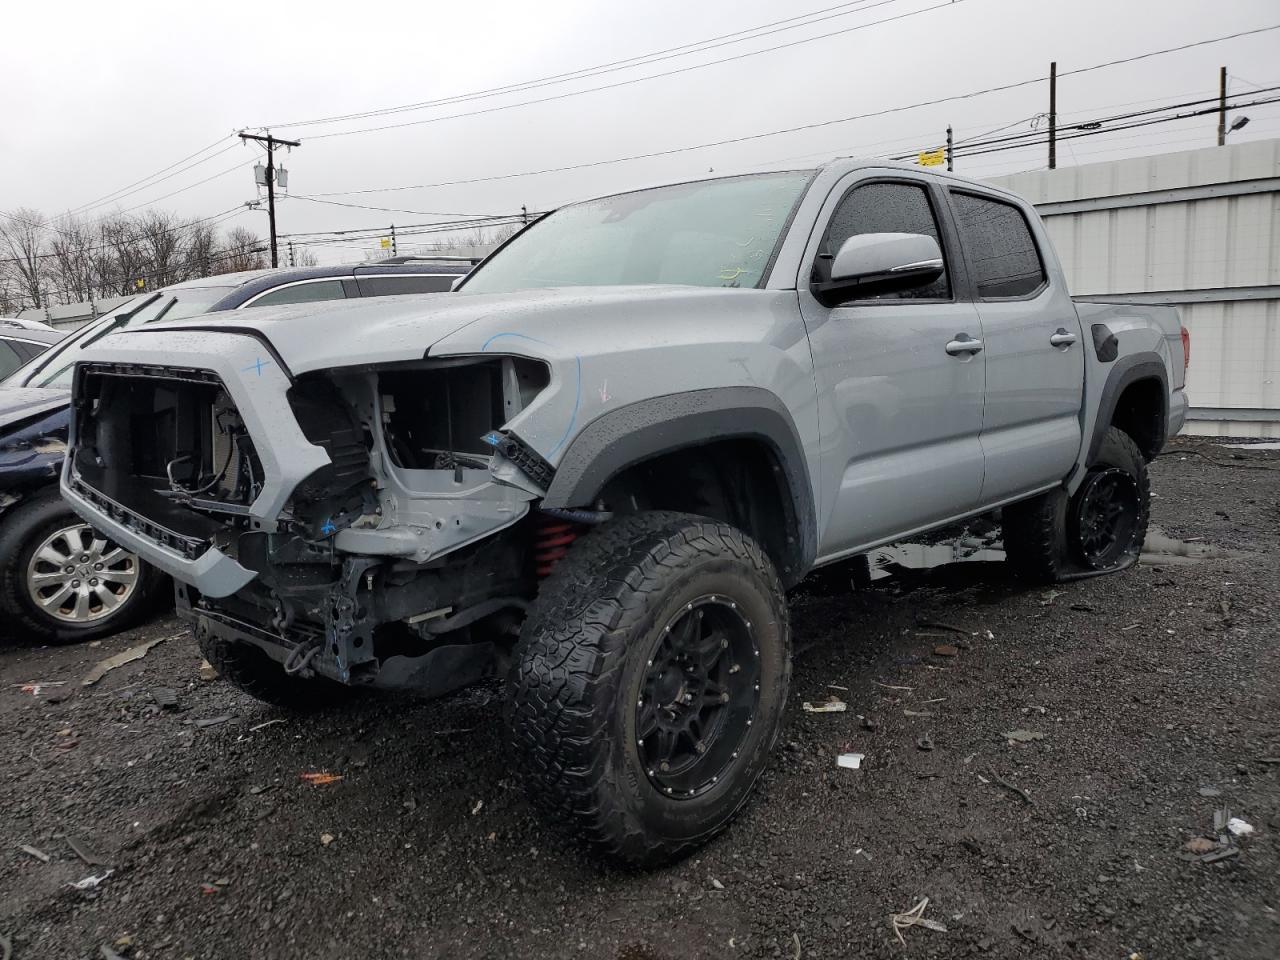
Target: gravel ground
x,y
1155,691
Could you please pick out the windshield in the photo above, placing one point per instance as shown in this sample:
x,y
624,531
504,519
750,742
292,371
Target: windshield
x,y
53,367
716,233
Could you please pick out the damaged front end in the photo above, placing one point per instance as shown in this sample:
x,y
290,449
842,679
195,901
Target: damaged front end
x,y
361,524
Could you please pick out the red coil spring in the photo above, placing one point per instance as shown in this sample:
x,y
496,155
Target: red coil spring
x,y
554,538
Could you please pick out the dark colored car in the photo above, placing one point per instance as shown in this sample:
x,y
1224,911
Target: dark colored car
x,y
60,580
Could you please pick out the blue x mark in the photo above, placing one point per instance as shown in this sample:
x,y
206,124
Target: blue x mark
x,y
256,366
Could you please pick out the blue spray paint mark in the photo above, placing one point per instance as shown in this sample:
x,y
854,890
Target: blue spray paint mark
x,y
257,366
329,529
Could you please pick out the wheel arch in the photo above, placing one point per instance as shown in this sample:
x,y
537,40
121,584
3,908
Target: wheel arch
x,y
644,432
1134,398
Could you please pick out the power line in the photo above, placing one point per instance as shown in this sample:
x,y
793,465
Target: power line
x,y
796,129
361,206
123,192
640,60
634,80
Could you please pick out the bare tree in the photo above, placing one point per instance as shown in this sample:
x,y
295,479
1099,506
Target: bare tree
x,y
304,257
198,253
22,238
242,250
160,235
71,267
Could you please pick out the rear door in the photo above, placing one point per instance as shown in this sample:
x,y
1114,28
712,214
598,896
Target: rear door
x,y
900,417
1035,357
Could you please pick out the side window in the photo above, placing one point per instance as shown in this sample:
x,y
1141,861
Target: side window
x,y
999,244
888,208
391,285
10,359
302,293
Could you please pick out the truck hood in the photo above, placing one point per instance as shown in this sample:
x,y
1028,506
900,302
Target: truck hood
x,y
343,333
20,404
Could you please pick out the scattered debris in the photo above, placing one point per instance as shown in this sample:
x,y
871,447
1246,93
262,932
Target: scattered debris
x,y
213,721
220,882
917,713
208,889
914,918
120,659
832,704
1026,797
35,686
850,761
946,650
1239,828
795,942
261,788
716,884
34,852
165,698
320,778
949,627
84,853
1047,598
90,882
6,947
889,686
870,724
109,954
1210,792
1269,759
836,686
1200,845
477,808
207,671
267,723
326,839
924,743
1023,736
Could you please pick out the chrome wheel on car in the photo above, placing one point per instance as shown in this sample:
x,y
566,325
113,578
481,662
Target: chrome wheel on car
x,y
77,576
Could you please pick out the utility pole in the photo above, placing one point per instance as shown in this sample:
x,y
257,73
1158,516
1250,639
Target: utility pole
x,y
1053,115
272,143
1222,107
950,165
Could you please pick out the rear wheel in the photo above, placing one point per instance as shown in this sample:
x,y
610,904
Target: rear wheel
x,y
62,581
1053,536
649,684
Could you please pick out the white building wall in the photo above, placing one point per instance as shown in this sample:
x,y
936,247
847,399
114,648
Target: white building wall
x,y
1199,230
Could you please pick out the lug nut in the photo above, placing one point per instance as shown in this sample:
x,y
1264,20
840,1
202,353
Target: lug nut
x,y
664,766
84,558
93,582
75,584
68,569
700,747
724,698
97,566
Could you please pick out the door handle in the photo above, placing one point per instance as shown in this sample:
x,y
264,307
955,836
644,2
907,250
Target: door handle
x,y
963,343
1062,339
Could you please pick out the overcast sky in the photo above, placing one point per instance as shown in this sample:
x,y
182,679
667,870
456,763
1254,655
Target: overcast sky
x,y
101,95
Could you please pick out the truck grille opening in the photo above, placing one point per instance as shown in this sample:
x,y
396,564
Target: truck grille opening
x,y
155,438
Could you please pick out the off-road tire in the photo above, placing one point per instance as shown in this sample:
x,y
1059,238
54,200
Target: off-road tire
x,y
580,665
251,670
1038,543
22,530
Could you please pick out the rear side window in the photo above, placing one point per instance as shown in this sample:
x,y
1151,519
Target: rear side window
x,y
301,293
10,359
390,286
888,208
999,244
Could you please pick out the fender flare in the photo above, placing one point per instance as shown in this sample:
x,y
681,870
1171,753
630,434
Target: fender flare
x,y
640,431
1128,370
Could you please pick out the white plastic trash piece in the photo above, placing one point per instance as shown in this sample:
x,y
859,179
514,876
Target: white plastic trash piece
x,y
90,882
1239,828
853,761
832,705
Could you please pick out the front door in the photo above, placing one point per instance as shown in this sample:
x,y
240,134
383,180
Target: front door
x,y
900,392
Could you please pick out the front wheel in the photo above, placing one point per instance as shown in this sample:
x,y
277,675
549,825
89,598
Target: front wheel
x,y
1053,536
61,581
649,684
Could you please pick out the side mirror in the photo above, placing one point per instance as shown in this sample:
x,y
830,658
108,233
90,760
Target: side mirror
x,y
875,263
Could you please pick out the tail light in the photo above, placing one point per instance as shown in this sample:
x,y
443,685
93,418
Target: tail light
x,y
1186,348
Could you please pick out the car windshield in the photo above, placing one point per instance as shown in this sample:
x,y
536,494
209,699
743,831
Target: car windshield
x,y
53,367
715,233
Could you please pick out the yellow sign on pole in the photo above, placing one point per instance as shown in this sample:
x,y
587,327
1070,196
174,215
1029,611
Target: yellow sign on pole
x,y
139,283
386,243
933,158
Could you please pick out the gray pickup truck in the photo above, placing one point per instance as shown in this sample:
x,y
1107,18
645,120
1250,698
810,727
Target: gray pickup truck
x,y
599,465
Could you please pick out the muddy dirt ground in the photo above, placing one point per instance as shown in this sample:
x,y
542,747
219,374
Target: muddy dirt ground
x,y
1156,692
